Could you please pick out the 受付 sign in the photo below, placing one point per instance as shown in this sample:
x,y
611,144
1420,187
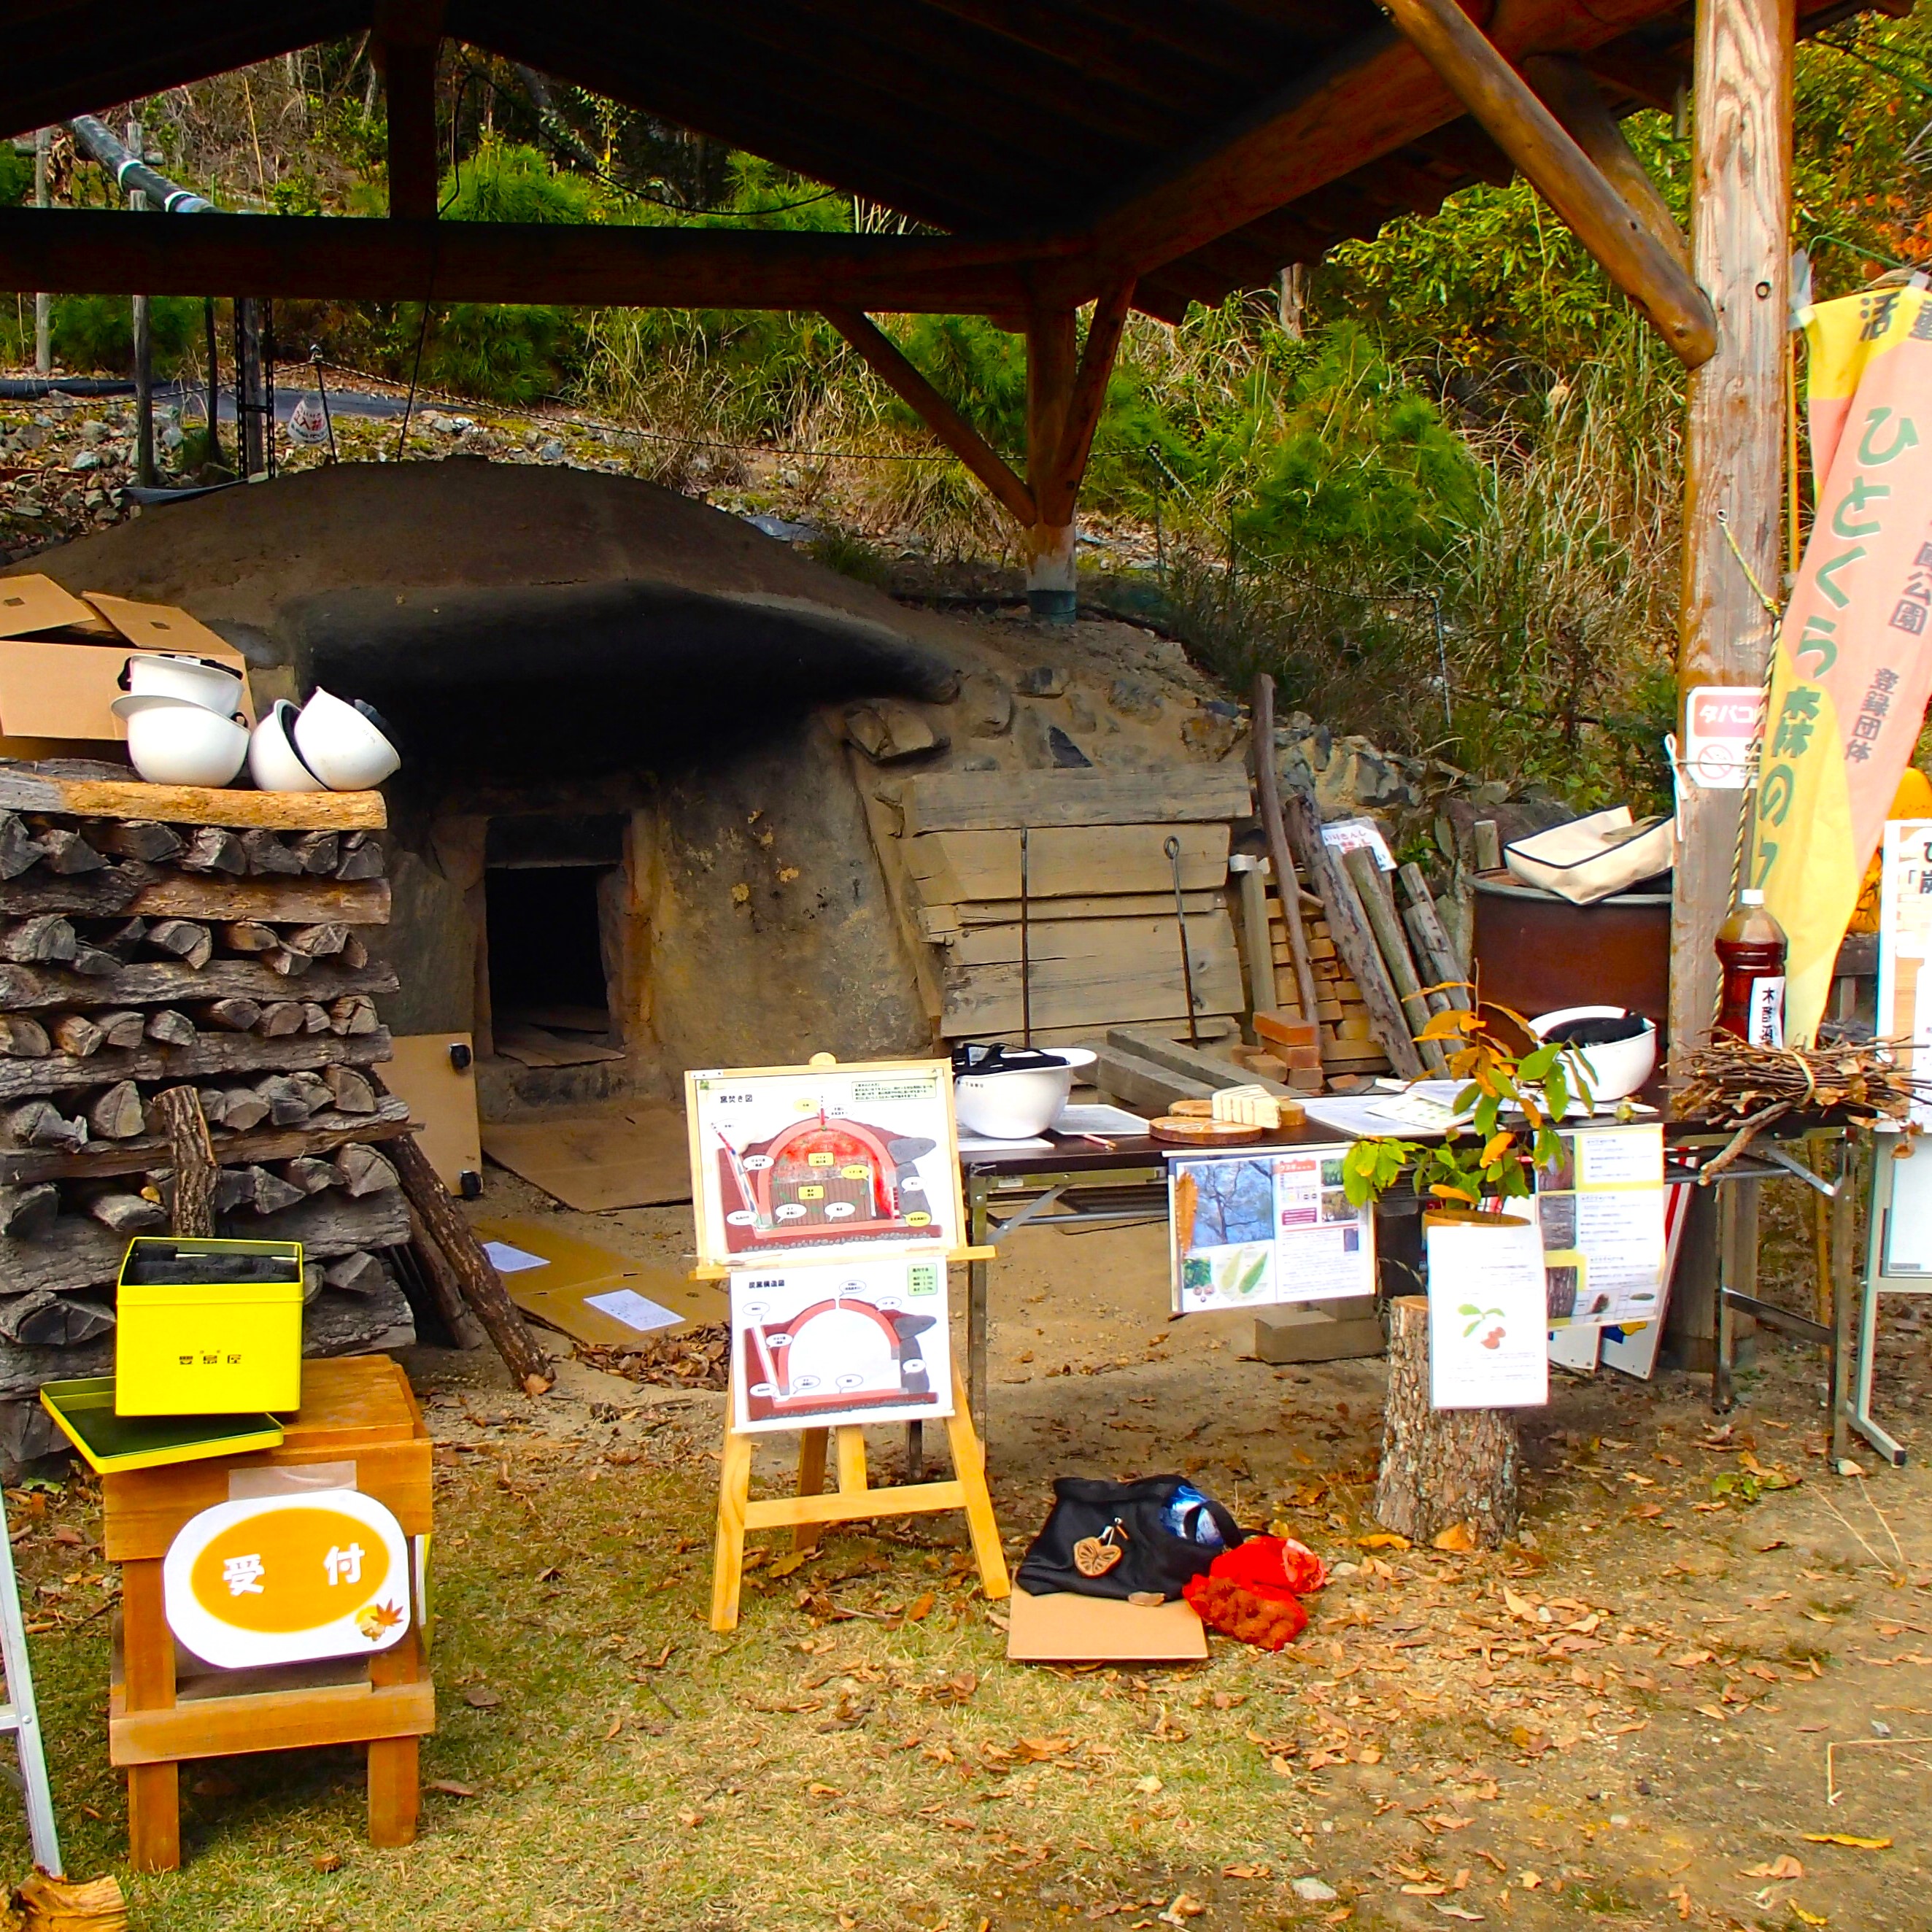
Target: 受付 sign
x,y
280,1579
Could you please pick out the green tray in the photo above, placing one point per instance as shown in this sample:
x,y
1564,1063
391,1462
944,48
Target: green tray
x,y
84,1410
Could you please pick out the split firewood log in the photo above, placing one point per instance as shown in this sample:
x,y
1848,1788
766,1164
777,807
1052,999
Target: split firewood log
x,y
124,1028
213,1105
27,1213
319,852
272,1193
19,850
118,1114
267,854
290,964
234,1187
69,854
187,939
314,1018
354,953
127,1214
46,938
326,937
353,1013
233,1014
248,935
124,939
243,1107
214,848
314,1089
76,1034
22,1038
361,1171
41,1123
363,861
308,1173
288,1106
171,1028
44,1319
94,960
280,1017
349,1090
357,1274
144,838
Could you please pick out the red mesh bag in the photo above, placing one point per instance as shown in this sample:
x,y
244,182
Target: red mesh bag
x,y
1252,1591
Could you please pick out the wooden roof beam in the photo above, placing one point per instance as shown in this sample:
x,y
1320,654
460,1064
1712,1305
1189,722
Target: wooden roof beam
x,y
891,364
89,251
409,36
1647,271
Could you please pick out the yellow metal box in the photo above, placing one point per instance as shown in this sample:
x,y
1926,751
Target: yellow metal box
x,y
208,1327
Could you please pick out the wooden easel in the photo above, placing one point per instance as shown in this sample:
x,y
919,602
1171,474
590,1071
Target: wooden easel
x,y
813,1508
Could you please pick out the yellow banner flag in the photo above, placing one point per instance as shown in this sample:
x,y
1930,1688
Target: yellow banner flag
x,y
1851,669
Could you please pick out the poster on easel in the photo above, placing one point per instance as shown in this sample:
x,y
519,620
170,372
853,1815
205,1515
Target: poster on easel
x,y
819,1345
823,1163
1600,1207
1251,1230
1904,947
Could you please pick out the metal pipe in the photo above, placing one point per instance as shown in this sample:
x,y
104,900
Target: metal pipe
x,y
43,302
1026,948
144,351
132,174
1172,848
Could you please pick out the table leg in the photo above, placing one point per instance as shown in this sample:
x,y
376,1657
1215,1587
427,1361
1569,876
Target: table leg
x,y
978,1281
394,1794
148,1683
1844,1215
1722,1391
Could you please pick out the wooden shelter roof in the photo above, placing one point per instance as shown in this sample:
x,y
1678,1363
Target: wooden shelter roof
x,y
1196,149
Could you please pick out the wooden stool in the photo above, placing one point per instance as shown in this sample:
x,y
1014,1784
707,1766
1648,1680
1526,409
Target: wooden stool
x,y
358,1419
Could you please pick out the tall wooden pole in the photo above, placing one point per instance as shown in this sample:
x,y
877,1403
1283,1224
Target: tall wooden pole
x,y
1052,355
1734,433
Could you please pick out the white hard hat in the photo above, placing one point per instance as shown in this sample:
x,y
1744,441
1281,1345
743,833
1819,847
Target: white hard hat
x,y
175,741
274,762
345,745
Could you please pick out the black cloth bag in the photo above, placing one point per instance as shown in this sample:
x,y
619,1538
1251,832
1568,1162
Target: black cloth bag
x,y
1091,1516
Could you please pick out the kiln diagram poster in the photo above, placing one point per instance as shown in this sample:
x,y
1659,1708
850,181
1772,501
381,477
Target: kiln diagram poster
x,y
822,1162
818,1345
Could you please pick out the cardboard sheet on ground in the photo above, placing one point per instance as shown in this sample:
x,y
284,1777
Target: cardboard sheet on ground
x,y
1061,1628
592,1293
442,1096
619,1155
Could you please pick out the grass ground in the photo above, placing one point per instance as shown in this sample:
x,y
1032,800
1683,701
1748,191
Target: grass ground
x,y
1622,1721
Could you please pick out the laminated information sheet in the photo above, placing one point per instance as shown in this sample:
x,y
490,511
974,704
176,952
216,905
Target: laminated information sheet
x,y
1253,1229
1905,946
1488,1345
1600,1207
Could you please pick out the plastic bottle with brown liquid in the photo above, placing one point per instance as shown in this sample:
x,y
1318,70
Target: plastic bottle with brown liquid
x,y
1751,948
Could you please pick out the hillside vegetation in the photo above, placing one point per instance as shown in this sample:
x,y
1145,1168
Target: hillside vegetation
x,y
1436,496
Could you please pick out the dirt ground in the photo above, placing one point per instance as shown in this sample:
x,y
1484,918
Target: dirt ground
x,y
1668,1704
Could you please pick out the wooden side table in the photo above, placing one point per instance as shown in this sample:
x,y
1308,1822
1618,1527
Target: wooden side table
x,y
358,1428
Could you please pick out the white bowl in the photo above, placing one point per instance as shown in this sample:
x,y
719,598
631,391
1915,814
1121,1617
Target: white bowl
x,y
175,741
1617,1070
341,746
1017,1104
274,764
178,674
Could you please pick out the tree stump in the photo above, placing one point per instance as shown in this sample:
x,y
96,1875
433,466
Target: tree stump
x,y
1441,1467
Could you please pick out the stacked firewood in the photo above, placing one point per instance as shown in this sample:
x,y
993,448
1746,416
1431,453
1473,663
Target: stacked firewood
x,y
139,958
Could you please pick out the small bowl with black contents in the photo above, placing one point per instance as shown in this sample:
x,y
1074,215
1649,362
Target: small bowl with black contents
x,y
1618,1048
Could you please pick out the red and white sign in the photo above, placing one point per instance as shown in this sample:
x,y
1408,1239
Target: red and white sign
x,y
1720,722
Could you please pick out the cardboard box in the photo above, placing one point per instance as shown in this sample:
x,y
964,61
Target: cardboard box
x,y
62,688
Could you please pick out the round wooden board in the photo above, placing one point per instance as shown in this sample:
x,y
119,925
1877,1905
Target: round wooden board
x,y
1184,1131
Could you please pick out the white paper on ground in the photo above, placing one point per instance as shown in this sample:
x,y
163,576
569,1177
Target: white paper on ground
x,y
1096,1118
634,1310
512,1261
1487,1328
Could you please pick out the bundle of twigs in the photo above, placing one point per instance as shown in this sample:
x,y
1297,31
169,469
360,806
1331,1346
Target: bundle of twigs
x,y
1729,1080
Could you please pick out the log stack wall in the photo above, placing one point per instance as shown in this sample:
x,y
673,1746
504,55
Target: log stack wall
x,y
222,944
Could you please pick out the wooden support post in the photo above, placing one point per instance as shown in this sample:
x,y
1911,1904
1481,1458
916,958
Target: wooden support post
x,y
1559,170
1733,438
1288,885
1051,592
1570,91
1441,1467
394,1793
148,1683
410,36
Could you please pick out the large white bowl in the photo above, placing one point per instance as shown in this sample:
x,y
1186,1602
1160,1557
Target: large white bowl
x,y
341,746
175,741
1617,1070
178,674
1018,1104
273,762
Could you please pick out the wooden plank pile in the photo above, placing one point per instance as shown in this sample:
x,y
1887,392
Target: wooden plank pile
x,y
198,957
1087,852
1346,1034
